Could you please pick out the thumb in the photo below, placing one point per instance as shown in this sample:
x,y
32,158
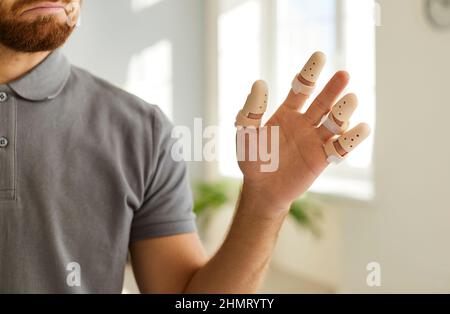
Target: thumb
x,y
255,106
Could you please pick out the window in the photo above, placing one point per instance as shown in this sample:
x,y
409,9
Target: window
x,y
271,39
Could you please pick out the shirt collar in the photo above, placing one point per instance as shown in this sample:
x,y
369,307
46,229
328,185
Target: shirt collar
x,y
45,81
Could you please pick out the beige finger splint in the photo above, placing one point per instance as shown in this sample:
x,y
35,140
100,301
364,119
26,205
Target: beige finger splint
x,y
310,73
255,106
337,121
348,141
73,14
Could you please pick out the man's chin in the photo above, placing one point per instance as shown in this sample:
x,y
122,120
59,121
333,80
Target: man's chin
x,y
28,35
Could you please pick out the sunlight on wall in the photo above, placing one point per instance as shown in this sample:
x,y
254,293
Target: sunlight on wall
x,y
150,76
239,67
139,5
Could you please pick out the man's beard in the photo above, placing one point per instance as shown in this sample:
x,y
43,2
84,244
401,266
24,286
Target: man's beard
x,y
45,33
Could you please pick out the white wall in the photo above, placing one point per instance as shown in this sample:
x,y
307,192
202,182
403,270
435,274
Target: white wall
x,y
407,228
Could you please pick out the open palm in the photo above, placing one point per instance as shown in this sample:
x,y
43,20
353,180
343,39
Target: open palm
x,y
301,154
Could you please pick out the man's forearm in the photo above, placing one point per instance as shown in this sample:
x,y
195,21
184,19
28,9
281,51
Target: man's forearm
x,y
240,263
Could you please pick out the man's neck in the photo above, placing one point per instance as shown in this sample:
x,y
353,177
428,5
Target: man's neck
x,y
14,64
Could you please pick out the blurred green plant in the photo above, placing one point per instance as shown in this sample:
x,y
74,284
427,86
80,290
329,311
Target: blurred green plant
x,y
209,197
307,212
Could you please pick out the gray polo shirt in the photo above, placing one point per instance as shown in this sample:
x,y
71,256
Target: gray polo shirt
x,y
85,169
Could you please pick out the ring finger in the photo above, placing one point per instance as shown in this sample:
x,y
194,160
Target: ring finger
x,y
338,120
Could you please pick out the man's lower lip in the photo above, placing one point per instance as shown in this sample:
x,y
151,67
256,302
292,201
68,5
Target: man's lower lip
x,y
43,10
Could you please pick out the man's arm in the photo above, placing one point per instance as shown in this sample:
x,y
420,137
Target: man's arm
x,y
240,264
178,264
166,264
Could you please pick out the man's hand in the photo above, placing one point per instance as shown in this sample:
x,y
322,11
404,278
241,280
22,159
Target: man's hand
x,y
240,263
301,141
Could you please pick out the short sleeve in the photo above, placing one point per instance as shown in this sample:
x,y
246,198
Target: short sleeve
x,y
167,205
